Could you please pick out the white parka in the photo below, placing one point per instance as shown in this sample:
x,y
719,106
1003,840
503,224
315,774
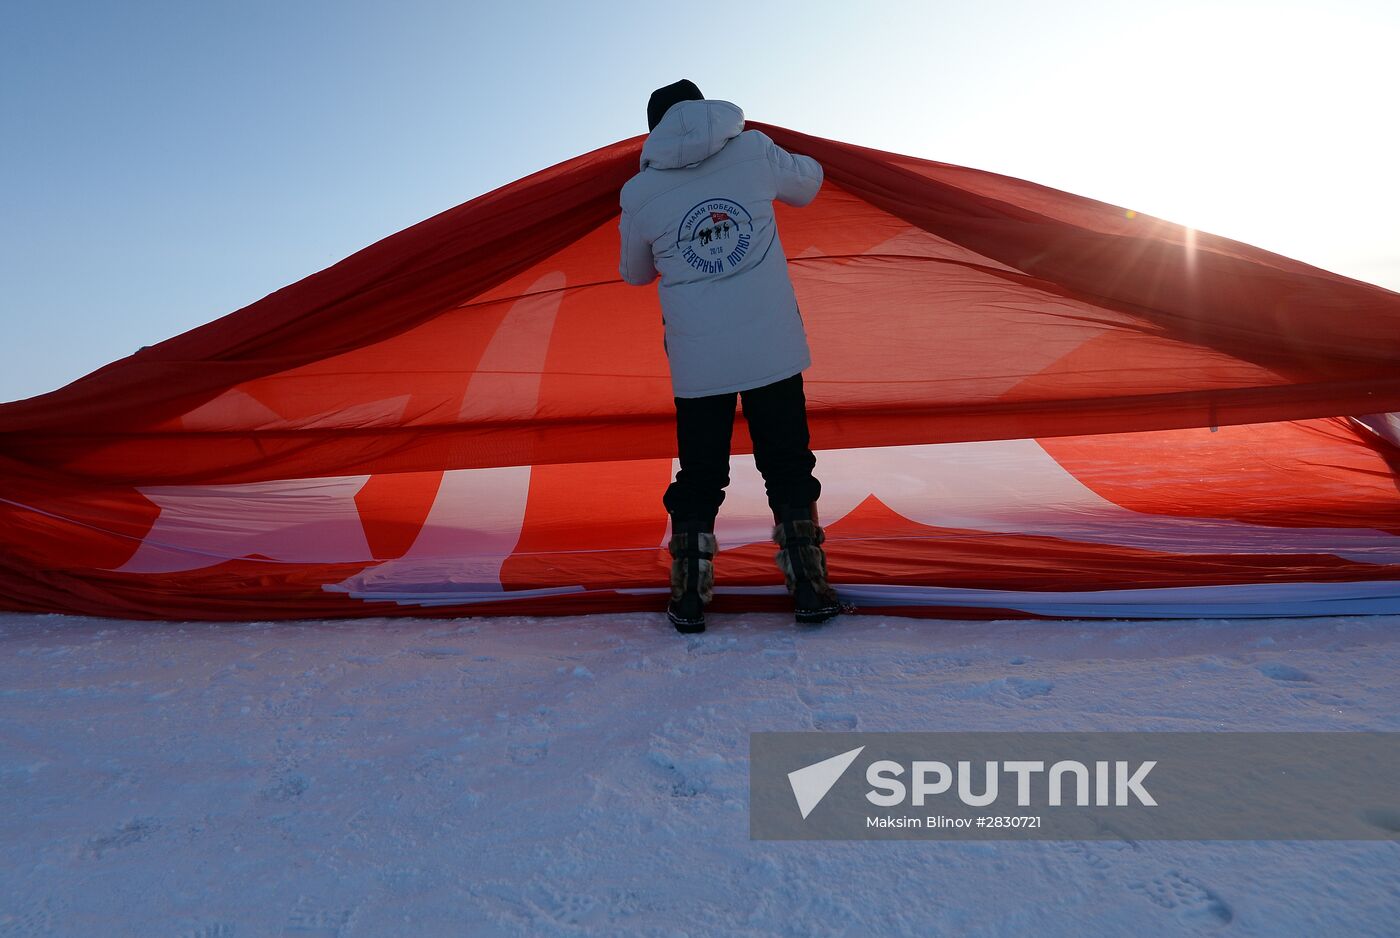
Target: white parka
x,y
700,214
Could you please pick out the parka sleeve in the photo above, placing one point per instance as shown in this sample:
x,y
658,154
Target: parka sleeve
x,y
797,179
637,266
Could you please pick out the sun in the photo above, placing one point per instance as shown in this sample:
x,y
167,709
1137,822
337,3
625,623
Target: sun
x,y
1269,125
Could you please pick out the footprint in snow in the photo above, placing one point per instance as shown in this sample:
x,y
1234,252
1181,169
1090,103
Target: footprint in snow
x,y
308,917
835,722
211,930
1285,673
286,787
132,832
529,753
826,708
1193,903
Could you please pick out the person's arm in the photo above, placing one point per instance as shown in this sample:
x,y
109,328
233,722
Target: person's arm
x,y
637,266
797,179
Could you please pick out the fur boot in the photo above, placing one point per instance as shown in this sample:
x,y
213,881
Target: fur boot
x,y
803,562
693,548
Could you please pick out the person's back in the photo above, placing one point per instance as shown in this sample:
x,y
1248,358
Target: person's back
x,y
700,215
731,318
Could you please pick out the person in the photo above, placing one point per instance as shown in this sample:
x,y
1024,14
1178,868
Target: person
x,y
732,330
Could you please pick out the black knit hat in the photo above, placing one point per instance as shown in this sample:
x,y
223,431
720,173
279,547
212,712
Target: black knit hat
x,y
663,98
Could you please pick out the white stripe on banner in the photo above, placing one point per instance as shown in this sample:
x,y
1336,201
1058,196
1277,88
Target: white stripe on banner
x,y
1244,600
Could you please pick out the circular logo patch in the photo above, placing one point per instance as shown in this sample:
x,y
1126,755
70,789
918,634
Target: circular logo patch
x,y
715,235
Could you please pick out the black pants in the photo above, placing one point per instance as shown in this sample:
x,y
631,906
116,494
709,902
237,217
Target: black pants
x,y
777,418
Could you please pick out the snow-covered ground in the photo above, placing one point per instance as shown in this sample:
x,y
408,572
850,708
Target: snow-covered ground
x,y
589,775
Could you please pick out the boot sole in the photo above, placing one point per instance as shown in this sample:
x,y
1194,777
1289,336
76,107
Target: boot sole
x,y
686,626
817,616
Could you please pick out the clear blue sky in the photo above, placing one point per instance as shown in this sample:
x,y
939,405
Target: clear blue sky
x,y
164,163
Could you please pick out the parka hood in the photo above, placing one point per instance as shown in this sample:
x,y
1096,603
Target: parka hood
x,y
690,132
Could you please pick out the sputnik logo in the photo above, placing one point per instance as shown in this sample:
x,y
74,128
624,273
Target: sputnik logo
x,y
811,783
